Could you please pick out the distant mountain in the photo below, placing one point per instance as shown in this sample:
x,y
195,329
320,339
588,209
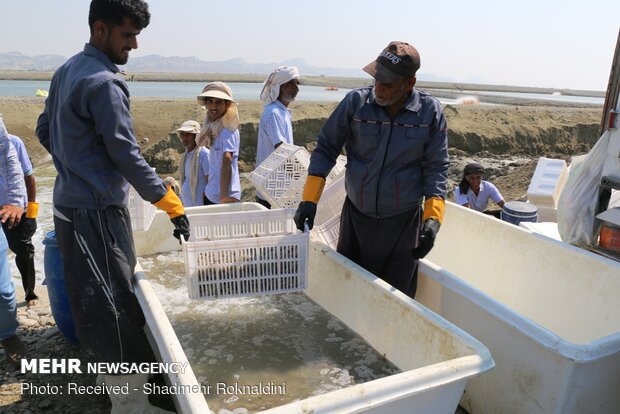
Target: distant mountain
x,y
191,64
157,63
17,61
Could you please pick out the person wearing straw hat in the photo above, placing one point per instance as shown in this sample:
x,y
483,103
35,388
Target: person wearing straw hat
x,y
194,165
397,169
275,125
221,131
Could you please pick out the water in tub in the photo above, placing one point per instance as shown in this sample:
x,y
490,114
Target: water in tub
x,y
285,346
285,343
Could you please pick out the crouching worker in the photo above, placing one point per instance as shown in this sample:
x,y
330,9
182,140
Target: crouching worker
x,y
87,128
474,192
397,160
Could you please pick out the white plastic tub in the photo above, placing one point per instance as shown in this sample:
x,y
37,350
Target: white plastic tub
x,y
548,311
436,357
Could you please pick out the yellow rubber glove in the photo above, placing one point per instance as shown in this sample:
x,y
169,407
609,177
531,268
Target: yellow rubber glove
x,y
434,208
171,204
32,210
313,189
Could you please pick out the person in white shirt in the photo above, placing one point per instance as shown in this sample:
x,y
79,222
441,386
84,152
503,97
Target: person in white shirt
x,y
275,125
194,165
221,130
474,192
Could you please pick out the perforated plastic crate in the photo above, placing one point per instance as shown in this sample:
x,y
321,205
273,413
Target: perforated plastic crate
x,y
331,201
241,224
141,212
328,232
245,267
249,253
281,177
337,171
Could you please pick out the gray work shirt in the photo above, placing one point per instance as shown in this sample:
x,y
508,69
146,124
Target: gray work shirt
x,y
87,128
392,164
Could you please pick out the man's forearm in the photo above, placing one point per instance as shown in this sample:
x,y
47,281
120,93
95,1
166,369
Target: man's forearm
x,y
31,188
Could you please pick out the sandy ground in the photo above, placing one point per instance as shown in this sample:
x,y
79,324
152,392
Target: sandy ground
x,y
507,138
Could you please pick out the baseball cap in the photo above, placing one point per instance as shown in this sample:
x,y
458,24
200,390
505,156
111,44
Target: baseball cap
x,y
397,60
189,126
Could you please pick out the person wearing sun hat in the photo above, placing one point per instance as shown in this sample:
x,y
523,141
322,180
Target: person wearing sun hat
x,y
396,141
193,166
221,131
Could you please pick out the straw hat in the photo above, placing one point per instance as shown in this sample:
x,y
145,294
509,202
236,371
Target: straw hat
x,y
189,126
217,90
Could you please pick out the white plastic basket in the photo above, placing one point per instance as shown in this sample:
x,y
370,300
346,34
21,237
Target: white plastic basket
x,y
328,232
245,267
330,203
241,224
337,171
249,253
141,212
281,177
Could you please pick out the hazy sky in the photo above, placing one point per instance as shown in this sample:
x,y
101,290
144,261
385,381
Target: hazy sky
x,y
564,44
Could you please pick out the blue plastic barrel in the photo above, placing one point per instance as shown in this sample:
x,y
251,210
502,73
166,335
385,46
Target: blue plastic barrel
x,y
517,211
55,277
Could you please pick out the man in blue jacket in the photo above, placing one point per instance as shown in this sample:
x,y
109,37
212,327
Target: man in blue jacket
x,y
396,141
12,199
87,128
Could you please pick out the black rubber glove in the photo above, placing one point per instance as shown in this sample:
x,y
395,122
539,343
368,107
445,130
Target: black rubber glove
x,y
305,212
181,227
427,238
29,225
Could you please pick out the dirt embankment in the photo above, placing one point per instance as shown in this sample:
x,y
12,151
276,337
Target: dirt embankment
x,y
507,139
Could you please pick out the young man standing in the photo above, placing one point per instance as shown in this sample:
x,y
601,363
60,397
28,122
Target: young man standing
x,y
275,125
87,128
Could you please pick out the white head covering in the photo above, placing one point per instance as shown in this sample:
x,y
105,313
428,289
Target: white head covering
x,y
278,77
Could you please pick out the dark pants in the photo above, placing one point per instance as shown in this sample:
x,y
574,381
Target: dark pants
x,y
20,243
206,201
263,202
494,213
99,259
382,246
